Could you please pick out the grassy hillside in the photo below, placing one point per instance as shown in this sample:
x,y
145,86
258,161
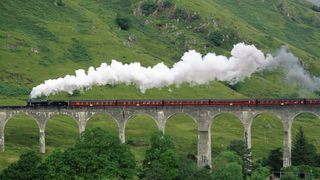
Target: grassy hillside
x,y
47,39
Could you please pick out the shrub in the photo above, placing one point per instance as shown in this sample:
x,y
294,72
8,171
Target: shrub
x,y
216,37
229,171
25,168
167,3
59,3
148,7
123,23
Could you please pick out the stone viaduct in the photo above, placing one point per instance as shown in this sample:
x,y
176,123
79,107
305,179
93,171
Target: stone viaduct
x,y
202,115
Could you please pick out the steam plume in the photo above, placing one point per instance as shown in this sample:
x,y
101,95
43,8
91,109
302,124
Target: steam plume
x,y
193,68
315,2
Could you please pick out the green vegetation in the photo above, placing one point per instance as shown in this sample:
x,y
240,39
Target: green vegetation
x,y
161,160
303,153
95,155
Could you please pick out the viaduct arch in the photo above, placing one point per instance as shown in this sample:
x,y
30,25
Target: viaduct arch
x,y
202,115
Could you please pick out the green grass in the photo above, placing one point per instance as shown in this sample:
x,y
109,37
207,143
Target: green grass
x,y
224,129
267,134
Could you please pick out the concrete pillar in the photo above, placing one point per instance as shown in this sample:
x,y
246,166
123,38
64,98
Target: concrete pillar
x,y
247,135
161,121
42,141
3,119
287,147
82,126
82,118
204,148
122,135
2,139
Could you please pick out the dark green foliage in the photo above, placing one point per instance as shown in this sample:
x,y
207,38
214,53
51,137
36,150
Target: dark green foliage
x,y
316,172
261,173
274,160
96,155
216,38
289,176
188,170
77,52
303,153
303,170
316,8
229,171
59,3
54,166
161,160
148,7
240,147
13,90
123,22
25,168
167,3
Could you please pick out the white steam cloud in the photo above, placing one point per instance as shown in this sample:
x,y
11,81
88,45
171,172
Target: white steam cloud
x,y
193,68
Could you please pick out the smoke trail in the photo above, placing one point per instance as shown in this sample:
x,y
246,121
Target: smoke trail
x,y
294,71
193,68
315,2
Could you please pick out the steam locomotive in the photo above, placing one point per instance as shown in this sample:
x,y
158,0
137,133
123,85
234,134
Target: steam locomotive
x,y
174,102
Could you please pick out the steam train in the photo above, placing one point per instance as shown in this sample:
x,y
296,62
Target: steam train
x,y
176,102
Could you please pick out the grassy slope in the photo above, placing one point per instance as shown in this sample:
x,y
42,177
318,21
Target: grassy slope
x,y
55,30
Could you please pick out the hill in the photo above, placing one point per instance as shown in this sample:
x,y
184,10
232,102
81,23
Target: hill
x,y
47,39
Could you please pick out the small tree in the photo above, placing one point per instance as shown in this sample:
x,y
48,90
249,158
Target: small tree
x,y
241,148
25,168
229,171
303,153
216,37
274,160
161,161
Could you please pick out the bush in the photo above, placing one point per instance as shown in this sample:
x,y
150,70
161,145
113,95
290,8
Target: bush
x,y
148,7
289,176
167,3
25,168
123,23
59,3
188,170
216,37
229,171
260,173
